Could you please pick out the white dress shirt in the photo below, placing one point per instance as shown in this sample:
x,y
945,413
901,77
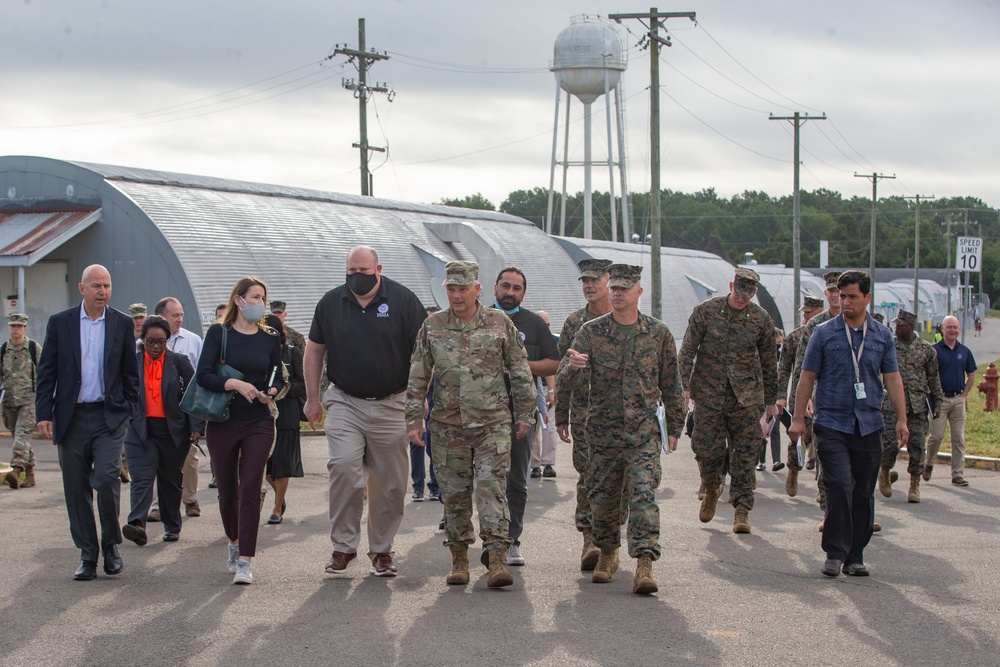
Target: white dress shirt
x,y
187,343
91,357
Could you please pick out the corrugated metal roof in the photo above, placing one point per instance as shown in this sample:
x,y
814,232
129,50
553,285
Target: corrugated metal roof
x,y
26,236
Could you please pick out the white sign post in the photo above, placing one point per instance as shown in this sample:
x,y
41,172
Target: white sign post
x,y
968,258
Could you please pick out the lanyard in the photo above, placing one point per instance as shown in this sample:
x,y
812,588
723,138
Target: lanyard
x,y
856,358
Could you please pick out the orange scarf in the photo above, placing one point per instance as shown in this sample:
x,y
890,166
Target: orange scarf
x,y
153,379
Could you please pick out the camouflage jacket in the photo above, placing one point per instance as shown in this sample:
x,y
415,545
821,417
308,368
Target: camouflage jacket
x,y
627,375
19,372
727,347
468,363
918,369
572,405
295,339
787,364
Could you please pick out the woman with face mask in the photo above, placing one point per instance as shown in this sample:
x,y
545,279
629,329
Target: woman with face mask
x,y
240,446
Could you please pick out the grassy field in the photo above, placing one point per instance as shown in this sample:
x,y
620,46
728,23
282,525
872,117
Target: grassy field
x,y
982,429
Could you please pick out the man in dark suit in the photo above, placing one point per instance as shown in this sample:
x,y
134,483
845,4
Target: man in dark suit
x,y
87,389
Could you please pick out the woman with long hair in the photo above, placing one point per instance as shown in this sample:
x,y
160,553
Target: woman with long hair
x,y
160,434
240,446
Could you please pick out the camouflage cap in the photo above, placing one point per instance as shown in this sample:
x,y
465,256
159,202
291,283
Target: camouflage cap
x,y
137,310
905,317
879,317
623,275
745,282
830,278
811,303
17,318
278,306
593,268
460,273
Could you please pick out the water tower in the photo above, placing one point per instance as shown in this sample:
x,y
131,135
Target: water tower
x,y
588,63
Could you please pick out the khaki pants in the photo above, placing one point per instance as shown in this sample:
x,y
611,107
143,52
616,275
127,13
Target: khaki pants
x,y
952,414
366,442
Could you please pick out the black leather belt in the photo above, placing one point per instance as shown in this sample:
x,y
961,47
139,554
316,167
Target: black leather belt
x,y
94,405
949,394
370,398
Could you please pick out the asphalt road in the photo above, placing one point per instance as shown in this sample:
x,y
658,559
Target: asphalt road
x,y
724,599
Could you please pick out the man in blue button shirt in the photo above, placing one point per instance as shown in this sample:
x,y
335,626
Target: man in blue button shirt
x,y
844,359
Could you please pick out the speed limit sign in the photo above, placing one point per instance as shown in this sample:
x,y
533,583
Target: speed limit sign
x,y
969,254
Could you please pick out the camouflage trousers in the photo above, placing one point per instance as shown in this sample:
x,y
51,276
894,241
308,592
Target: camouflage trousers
x,y
915,447
581,462
634,471
473,462
739,426
792,460
20,421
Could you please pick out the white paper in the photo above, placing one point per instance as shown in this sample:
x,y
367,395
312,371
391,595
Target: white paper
x,y
661,414
798,450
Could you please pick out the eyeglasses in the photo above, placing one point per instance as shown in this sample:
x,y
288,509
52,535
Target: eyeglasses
x,y
155,342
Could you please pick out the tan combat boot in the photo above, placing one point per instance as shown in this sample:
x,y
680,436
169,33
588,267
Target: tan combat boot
x,y
914,495
707,510
701,490
884,485
498,576
644,584
590,553
792,483
459,575
123,474
607,565
741,520
13,478
29,478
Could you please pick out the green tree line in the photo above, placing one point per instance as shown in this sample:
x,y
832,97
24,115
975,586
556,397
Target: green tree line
x,y
759,223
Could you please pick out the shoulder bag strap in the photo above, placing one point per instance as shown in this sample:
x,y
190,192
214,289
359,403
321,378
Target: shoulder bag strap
x,y
222,356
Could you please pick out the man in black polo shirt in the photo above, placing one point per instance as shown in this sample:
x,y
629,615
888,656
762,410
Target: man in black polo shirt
x,y
543,359
957,368
364,330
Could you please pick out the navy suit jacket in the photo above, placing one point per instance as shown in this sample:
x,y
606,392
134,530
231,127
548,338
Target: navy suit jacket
x,y
59,367
177,375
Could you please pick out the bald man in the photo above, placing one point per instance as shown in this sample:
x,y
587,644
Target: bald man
x,y
957,368
87,387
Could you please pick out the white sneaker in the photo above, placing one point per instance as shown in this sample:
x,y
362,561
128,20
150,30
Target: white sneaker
x,y
234,557
243,574
514,556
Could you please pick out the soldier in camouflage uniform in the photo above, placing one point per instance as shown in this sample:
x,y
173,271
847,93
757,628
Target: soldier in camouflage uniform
x,y
294,338
811,306
18,364
629,362
918,369
729,368
571,406
466,349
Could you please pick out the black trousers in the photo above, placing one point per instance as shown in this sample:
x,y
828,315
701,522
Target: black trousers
x,y
158,459
90,456
850,469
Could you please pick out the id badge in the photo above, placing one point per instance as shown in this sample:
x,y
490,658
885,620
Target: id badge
x,y
859,390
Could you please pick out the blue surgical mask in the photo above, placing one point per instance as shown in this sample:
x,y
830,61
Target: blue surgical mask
x,y
252,311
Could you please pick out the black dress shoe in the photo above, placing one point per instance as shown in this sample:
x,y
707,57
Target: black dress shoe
x,y
112,561
171,537
777,466
135,533
86,571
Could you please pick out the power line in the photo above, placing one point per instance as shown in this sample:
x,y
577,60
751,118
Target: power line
x,y
733,141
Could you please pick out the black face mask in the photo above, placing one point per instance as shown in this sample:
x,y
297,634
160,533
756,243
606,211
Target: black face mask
x,y
361,283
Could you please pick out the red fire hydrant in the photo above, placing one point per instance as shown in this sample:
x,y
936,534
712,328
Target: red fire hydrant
x,y
989,387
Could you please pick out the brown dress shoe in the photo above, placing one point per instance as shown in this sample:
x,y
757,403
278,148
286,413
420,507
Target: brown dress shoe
x,y
339,561
382,566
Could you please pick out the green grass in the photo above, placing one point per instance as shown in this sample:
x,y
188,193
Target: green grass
x,y
982,429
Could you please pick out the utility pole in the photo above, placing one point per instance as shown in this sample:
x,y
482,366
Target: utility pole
x,y
916,255
874,178
654,18
363,60
797,121
948,268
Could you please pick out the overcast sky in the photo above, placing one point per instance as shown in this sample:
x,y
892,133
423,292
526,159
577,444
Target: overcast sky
x,y
243,89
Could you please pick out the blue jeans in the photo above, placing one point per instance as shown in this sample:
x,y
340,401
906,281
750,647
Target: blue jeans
x,y
417,474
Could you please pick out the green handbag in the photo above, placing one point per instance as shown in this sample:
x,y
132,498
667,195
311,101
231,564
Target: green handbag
x,y
211,405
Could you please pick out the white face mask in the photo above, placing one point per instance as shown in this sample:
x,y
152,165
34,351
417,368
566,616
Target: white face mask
x,y
252,311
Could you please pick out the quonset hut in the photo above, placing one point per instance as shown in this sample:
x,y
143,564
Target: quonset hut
x,y
192,237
